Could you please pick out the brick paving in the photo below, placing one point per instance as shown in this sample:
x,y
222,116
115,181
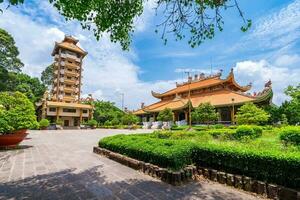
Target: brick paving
x,y
61,165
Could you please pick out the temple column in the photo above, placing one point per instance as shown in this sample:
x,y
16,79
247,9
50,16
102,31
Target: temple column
x,y
154,117
232,115
80,116
219,114
174,115
57,113
186,114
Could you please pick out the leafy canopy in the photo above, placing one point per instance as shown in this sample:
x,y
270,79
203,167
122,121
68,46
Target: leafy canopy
x,y
195,19
31,87
106,111
9,53
129,119
165,115
292,108
251,114
204,113
47,75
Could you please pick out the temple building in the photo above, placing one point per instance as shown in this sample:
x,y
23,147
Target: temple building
x,y
63,102
226,95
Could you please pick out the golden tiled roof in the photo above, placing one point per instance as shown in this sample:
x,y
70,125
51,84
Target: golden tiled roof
x,y
68,105
216,98
203,83
69,43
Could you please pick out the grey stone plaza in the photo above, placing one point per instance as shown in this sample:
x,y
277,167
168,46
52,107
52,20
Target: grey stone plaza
x,y
62,165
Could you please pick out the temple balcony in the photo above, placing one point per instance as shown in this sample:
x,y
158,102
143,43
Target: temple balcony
x,y
71,73
68,89
70,81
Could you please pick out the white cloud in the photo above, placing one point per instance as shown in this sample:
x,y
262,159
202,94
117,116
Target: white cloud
x,y
259,72
288,60
277,32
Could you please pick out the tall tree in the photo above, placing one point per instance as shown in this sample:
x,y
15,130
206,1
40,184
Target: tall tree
x,y
165,115
9,53
195,19
47,75
106,111
31,87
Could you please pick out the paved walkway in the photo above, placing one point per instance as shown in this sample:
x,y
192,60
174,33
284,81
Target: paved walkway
x,y
61,165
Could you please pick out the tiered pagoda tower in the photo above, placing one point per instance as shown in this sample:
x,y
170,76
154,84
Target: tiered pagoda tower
x,y
68,58
63,103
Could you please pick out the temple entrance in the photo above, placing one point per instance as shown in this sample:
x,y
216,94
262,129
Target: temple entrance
x,y
181,116
66,123
225,114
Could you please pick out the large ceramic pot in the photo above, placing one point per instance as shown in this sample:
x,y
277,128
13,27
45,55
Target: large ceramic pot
x,y
22,131
12,139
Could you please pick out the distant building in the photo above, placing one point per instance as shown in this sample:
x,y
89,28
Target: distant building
x,y
226,95
64,102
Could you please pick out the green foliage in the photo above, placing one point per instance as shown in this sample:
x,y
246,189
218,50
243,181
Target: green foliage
x,y
199,20
9,52
246,131
290,135
129,119
31,87
218,126
47,75
44,123
106,111
284,120
92,123
274,113
251,114
17,112
265,166
59,122
165,115
173,154
204,113
262,159
292,108
115,121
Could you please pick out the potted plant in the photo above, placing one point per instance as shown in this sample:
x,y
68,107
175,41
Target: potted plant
x,y
17,114
44,123
92,123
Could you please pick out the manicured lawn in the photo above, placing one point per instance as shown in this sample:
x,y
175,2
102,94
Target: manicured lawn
x,y
265,158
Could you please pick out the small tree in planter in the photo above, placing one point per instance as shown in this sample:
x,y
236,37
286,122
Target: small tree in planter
x,y
17,114
44,123
166,115
205,113
92,123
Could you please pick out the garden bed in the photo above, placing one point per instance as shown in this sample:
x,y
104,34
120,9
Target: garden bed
x,y
263,159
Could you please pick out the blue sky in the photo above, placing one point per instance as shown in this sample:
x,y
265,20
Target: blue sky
x,y
269,50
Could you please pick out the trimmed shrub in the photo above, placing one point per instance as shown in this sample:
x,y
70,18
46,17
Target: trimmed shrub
x,y
44,123
92,123
16,112
283,169
222,133
290,135
218,126
173,154
246,131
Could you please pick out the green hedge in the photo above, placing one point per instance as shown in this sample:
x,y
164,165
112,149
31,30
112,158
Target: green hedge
x,y
247,131
280,169
177,149
173,154
290,135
